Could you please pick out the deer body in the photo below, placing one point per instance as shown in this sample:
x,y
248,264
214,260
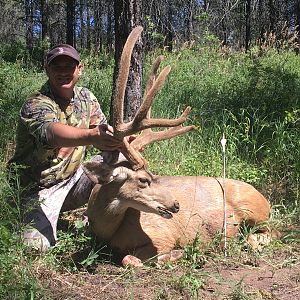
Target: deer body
x,y
139,230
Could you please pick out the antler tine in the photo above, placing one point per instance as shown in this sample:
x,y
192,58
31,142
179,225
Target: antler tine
x,y
151,79
150,95
148,136
122,80
152,74
151,123
142,120
134,157
152,87
131,151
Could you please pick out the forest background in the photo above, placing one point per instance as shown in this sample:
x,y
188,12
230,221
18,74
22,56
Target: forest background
x,y
235,62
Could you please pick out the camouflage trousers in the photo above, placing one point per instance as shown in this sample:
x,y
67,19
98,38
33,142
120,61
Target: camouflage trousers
x,y
41,217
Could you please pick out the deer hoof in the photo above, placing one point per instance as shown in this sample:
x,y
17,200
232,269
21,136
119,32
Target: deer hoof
x,y
133,261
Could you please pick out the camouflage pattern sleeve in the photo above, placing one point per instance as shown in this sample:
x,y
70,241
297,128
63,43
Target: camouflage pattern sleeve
x,y
97,116
36,114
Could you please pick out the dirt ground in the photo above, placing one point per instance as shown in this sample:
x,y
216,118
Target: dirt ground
x,y
275,277
272,274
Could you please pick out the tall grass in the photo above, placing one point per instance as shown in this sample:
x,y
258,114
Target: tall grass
x,y
252,98
17,279
16,83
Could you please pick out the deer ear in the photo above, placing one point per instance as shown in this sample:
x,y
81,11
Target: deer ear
x,y
119,175
103,173
97,172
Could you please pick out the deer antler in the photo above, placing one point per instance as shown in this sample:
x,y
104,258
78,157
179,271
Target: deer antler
x,y
142,121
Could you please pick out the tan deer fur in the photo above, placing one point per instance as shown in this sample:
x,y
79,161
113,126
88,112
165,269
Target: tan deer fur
x,y
126,213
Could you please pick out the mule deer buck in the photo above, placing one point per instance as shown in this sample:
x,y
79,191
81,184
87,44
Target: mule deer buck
x,y
144,216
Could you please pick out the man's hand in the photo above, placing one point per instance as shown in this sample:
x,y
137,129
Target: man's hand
x,y
104,139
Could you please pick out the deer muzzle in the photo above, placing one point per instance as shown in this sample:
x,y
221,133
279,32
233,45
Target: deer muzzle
x,y
167,212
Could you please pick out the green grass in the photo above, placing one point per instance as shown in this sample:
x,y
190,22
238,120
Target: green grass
x,y
17,277
253,99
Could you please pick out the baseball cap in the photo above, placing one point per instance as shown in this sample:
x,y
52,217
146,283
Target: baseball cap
x,y
61,49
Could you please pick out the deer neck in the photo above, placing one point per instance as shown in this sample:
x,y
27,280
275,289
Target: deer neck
x,y
105,212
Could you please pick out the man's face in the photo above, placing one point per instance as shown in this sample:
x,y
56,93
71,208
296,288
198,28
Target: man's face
x,y
63,73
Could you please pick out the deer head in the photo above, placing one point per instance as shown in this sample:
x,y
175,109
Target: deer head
x,y
142,121
121,187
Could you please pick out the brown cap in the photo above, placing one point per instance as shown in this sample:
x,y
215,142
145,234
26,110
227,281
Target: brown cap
x,y
62,49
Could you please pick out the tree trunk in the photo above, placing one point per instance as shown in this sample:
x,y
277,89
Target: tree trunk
x,y
98,26
261,29
224,24
70,22
297,13
189,28
128,14
29,24
45,20
248,25
272,16
109,37
82,25
169,30
88,25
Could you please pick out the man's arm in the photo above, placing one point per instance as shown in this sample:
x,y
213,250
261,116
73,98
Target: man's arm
x,y
60,135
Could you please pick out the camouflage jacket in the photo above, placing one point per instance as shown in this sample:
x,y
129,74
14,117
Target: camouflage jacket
x,y
43,164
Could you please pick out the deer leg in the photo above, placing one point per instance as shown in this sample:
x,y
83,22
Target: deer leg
x,y
260,239
144,254
170,257
131,260
139,255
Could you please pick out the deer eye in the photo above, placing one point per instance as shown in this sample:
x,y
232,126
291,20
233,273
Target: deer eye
x,y
144,181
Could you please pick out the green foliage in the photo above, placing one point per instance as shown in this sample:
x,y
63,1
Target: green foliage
x,y
99,80
192,282
17,280
76,249
13,52
193,254
18,52
252,98
72,242
16,83
211,81
238,292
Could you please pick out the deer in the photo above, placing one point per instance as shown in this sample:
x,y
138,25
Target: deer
x,y
145,217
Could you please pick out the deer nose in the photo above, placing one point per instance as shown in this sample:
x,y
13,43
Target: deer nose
x,y
176,207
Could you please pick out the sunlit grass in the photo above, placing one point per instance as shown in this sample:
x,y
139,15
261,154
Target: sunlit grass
x,y
254,101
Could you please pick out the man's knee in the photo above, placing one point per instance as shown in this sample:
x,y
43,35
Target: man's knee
x,y
35,240
79,194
